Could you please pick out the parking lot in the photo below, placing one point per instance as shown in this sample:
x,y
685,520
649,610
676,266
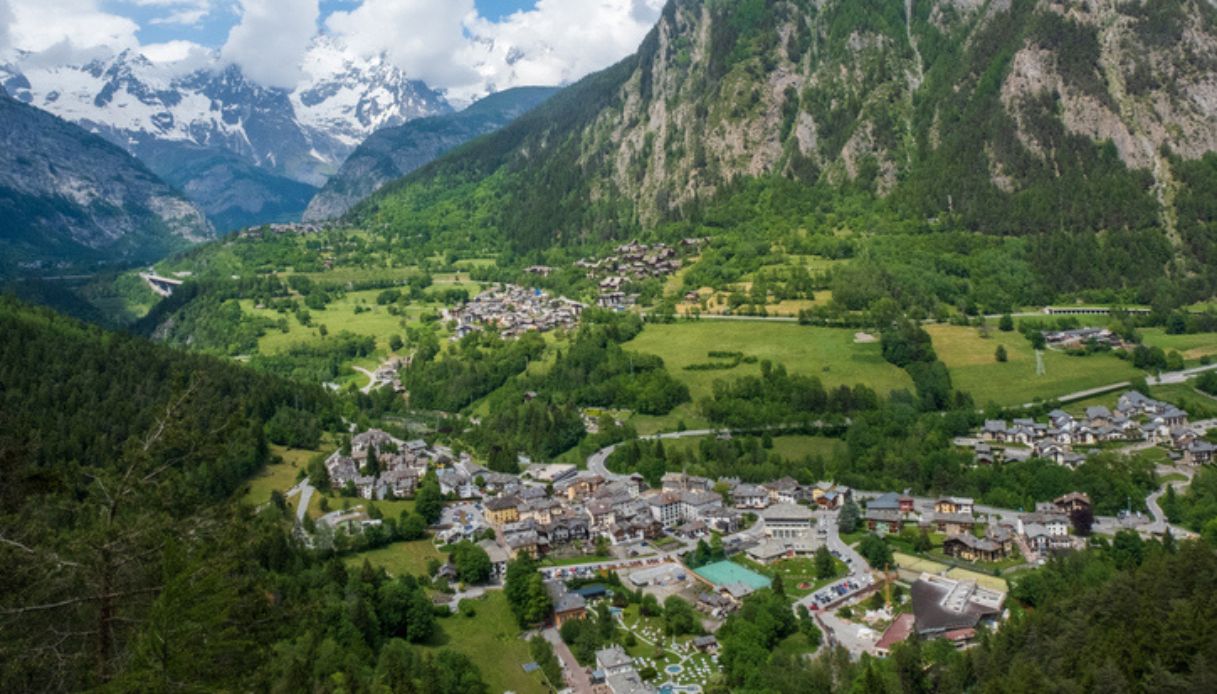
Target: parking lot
x,y
836,592
465,518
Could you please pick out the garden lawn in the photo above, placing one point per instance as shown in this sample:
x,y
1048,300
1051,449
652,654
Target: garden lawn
x,y
400,558
493,641
803,570
646,631
975,370
827,353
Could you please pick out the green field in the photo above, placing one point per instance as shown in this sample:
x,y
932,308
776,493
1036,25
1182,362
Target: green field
x,y
277,477
789,447
493,641
974,369
799,447
337,316
1192,347
697,668
827,353
797,572
341,276
400,558
1198,404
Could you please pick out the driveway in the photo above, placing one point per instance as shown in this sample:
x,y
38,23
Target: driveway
x,y
576,674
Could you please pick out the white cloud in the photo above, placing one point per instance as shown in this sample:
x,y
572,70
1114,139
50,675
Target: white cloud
x,y
179,57
271,38
180,18
39,25
6,24
557,42
422,37
180,12
448,45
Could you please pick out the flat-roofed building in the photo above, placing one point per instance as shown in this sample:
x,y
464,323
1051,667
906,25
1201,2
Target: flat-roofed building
x,y
787,520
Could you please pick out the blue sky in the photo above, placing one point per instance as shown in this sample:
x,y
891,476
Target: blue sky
x,y
214,28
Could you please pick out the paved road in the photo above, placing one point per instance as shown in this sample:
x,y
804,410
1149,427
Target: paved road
x,y
371,379
576,675
305,490
595,461
1160,524
1105,525
1162,379
859,571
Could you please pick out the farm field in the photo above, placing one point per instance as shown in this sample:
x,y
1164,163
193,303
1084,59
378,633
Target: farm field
x,y
493,641
974,368
827,353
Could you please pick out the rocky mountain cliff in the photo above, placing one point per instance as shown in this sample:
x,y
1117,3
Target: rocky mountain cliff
x,y
165,114
393,152
1008,116
70,200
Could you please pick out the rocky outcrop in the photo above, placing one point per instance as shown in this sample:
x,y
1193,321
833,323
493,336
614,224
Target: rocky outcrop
x,y
994,112
69,199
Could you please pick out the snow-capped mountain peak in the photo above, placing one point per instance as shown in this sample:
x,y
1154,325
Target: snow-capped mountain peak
x,y
303,134
350,97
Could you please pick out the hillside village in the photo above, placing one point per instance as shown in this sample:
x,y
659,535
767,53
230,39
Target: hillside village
x,y
1066,440
513,311
582,524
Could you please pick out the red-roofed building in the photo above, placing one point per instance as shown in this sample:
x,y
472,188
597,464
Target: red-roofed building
x,y
896,633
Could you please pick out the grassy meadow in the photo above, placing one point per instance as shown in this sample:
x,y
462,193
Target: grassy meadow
x,y
827,353
1192,347
278,476
491,639
400,558
974,369
789,447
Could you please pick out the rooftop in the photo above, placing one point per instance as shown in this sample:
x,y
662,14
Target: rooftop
x,y
787,512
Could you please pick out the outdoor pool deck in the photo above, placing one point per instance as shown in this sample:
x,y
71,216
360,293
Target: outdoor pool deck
x,y
726,573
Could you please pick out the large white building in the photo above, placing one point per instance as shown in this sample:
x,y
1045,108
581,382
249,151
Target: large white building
x,y
787,521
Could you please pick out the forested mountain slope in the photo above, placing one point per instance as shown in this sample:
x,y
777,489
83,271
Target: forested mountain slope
x,y
393,152
70,198
1005,117
126,566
